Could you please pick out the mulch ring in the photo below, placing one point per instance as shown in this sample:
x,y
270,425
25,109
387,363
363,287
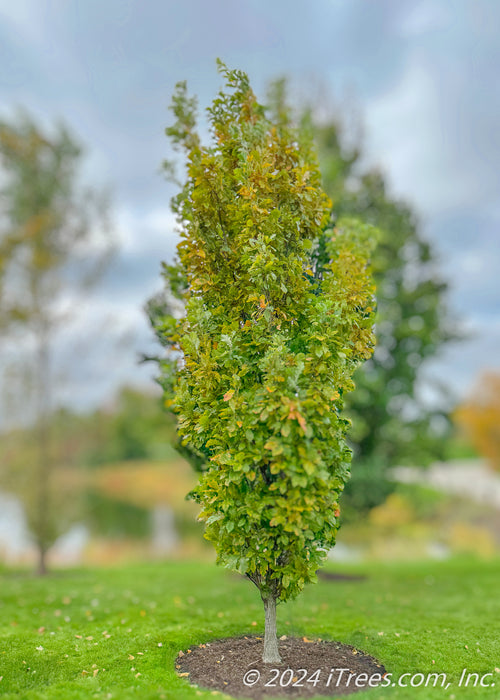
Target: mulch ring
x,y
309,668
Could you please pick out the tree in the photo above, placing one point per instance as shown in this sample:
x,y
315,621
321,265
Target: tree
x,y
51,248
132,427
278,314
392,423
479,418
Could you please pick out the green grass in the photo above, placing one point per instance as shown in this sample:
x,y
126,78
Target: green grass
x,y
55,633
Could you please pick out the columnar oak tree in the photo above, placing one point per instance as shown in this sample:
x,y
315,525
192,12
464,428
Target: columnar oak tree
x,y
278,314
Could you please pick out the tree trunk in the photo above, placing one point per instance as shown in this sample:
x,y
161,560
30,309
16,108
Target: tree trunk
x,y
43,474
41,568
271,653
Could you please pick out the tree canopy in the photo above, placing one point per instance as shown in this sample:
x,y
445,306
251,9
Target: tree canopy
x,y
278,314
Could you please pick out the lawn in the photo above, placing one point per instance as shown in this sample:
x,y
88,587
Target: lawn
x,y
114,633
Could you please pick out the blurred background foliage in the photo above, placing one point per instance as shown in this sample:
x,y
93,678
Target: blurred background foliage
x,y
117,471
392,424
479,418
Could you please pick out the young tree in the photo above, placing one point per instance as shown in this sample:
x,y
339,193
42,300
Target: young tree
x,y
50,249
278,314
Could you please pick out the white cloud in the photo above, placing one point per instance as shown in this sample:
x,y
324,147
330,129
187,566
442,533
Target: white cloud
x,y
411,138
25,18
402,125
152,230
425,17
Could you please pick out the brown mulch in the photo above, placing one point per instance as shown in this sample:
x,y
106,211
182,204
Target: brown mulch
x,y
309,668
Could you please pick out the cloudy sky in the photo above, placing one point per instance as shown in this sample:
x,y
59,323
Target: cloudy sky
x,y
424,75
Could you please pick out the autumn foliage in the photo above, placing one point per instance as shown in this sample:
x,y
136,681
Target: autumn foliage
x,y
479,417
278,314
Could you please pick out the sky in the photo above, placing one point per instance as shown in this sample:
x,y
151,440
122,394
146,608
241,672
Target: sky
x,y
423,75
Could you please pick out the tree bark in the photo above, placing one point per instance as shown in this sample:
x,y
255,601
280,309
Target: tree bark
x,y
43,505
271,653
41,568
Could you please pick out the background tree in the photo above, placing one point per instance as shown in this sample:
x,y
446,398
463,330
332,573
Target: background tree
x,y
52,247
127,441
479,417
392,423
131,427
278,309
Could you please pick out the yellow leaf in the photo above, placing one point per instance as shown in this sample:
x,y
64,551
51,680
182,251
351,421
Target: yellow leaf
x,y
302,421
229,395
